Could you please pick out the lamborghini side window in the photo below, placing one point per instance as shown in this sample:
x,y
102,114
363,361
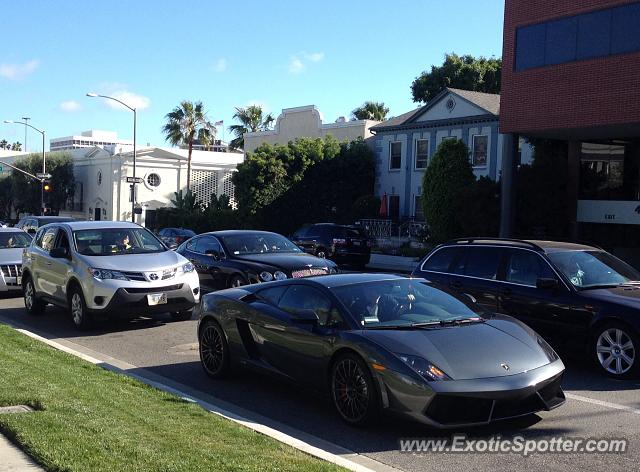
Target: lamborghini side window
x,y
271,295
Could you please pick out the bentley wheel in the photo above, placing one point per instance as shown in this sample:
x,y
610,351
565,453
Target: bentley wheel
x,y
214,350
353,391
616,350
32,303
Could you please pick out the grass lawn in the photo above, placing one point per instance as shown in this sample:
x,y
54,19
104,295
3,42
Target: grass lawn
x,y
91,419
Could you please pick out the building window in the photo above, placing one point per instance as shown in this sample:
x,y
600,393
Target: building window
x,y
595,34
99,177
418,212
153,180
479,154
395,156
422,153
602,173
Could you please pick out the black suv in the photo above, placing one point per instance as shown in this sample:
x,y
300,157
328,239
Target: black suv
x,y
344,244
575,295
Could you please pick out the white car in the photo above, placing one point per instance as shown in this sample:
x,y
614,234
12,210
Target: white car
x,y
12,243
106,269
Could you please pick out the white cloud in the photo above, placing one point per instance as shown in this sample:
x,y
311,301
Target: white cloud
x,y
314,56
70,106
295,65
134,100
220,65
18,71
298,62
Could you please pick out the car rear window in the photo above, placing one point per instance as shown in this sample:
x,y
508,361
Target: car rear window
x,y
440,261
481,262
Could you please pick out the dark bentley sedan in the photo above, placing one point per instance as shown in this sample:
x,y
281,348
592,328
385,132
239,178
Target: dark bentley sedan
x,y
380,342
226,259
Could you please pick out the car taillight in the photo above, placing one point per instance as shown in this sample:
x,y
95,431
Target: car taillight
x,y
339,241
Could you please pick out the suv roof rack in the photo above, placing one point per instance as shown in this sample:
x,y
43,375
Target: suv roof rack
x,y
506,240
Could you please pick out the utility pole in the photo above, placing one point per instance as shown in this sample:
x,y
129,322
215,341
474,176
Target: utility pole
x,y
26,119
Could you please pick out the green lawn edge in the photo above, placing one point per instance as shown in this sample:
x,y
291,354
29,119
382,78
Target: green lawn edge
x,y
91,419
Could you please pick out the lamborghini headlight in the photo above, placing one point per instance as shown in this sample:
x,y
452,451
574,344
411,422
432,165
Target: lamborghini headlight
x,y
423,367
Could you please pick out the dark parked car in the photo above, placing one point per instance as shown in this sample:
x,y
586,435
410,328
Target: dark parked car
x,y
575,295
341,243
379,342
30,224
173,237
234,258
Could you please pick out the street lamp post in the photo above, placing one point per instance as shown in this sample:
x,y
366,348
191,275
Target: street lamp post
x,y
25,118
133,185
44,157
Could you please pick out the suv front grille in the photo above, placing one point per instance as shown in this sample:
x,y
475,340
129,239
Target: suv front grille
x,y
166,288
14,270
137,276
297,274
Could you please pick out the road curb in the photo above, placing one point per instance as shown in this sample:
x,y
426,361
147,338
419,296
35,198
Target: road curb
x,y
304,442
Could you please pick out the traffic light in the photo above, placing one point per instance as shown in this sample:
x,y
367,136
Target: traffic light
x,y
46,186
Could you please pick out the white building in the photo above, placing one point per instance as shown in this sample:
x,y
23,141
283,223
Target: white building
x,y
306,122
103,193
88,139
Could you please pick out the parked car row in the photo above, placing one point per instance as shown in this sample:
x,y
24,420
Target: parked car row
x,y
455,344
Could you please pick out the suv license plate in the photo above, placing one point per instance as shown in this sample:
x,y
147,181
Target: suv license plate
x,y
157,299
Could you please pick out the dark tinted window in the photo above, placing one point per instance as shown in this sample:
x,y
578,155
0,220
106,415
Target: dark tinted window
x,y
482,262
191,244
185,232
594,34
441,260
301,233
208,244
561,41
526,267
272,295
301,297
625,29
530,46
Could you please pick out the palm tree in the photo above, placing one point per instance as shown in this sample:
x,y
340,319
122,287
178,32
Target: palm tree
x,y
371,111
17,146
183,126
3,144
207,135
251,121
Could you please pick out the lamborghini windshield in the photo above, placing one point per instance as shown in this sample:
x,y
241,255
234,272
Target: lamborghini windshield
x,y
405,303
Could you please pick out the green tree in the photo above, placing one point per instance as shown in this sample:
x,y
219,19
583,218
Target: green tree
x,y
27,191
251,120
4,144
17,146
188,203
185,123
445,184
371,111
463,72
6,196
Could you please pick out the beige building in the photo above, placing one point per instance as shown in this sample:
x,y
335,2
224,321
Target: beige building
x,y
307,122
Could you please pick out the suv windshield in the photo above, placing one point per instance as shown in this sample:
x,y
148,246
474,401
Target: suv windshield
x,y
405,303
259,243
116,241
14,239
593,269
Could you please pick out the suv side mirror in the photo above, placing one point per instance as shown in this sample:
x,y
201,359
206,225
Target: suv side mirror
x,y
60,253
306,317
546,283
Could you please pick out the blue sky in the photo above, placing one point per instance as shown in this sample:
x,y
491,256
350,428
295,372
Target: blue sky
x,y
280,54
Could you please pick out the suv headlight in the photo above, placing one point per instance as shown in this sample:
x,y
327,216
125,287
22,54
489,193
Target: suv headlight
x,y
266,276
105,274
188,267
423,367
279,275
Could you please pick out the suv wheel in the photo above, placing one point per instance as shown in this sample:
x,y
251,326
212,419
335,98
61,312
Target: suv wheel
x,y
78,309
32,303
616,349
183,315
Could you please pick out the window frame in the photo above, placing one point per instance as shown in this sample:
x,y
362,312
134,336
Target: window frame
x,y
473,151
426,160
399,168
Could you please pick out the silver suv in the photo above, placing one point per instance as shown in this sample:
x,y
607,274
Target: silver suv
x,y
108,269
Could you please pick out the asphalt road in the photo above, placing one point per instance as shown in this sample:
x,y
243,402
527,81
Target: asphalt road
x,y
160,349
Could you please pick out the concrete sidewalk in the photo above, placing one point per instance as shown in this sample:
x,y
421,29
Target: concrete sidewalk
x,y
392,263
13,459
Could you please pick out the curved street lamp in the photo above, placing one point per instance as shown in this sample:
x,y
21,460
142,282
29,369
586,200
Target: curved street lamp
x,y
133,185
44,156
